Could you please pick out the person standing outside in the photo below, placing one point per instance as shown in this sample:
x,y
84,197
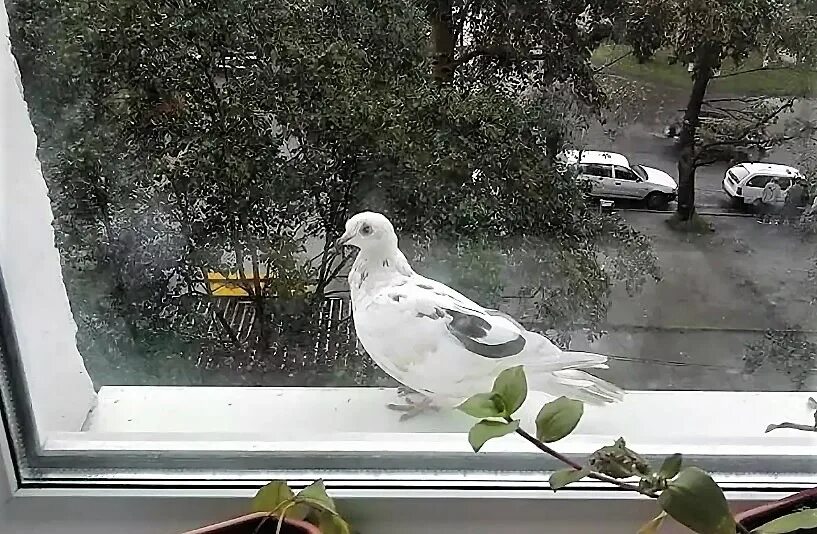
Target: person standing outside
x,y
768,198
795,199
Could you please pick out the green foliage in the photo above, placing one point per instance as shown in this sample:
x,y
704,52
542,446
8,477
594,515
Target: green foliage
x,y
670,467
512,387
311,503
788,351
509,392
563,477
802,519
507,395
694,500
483,405
557,419
486,430
271,497
653,525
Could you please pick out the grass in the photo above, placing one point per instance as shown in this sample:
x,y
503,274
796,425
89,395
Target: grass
x,y
779,82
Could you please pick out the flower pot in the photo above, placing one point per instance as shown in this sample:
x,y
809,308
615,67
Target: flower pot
x,y
751,519
248,524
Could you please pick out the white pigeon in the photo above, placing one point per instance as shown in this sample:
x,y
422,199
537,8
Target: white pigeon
x,y
441,344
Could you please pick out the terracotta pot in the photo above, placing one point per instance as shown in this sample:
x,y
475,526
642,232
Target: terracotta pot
x,y
761,515
248,524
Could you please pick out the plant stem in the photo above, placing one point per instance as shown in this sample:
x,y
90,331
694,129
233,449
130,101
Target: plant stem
x,y
740,529
575,465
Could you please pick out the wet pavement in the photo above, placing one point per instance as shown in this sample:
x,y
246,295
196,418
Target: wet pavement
x,y
719,296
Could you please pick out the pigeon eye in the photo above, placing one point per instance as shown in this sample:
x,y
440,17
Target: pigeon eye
x,y
365,229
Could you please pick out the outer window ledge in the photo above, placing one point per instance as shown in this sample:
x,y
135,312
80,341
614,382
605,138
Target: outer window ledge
x,y
710,422
348,435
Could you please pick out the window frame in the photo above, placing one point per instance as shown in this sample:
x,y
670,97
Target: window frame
x,y
626,173
40,353
585,167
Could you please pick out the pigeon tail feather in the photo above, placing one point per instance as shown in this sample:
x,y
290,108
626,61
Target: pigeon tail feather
x,y
573,383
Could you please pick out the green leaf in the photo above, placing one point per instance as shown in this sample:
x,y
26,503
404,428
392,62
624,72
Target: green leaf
x,y
671,466
272,496
557,419
563,477
512,387
315,496
804,519
483,405
694,500
331,523
653,525
485,430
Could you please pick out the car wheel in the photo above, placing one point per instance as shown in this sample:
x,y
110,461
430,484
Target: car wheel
x,y
657,201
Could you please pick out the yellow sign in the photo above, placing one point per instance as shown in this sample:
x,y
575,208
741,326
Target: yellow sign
x,y
230,286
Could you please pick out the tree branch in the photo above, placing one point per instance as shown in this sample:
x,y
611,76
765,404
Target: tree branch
x,y
747,71
740,140
613,62
794,426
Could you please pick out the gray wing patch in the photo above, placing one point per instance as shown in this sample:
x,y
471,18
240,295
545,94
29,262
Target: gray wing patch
x,y
469,329
504,315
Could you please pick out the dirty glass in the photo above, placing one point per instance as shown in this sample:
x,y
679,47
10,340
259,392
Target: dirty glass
x,y
202,160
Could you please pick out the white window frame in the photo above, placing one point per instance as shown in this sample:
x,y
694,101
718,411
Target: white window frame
x,y
66,420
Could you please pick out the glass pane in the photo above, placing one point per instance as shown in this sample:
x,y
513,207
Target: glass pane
x,y
208,164
202,162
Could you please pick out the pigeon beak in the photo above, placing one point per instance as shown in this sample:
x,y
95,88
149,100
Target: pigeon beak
x,y
341,241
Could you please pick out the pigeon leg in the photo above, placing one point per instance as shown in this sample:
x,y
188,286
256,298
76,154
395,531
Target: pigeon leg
x,y
414,408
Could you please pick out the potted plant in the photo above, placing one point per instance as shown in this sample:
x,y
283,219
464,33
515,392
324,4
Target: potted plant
x,y
685,493
279,510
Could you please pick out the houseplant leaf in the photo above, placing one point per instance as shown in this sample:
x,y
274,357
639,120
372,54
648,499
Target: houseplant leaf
x,y
804,519
512,387
694,500
330,523
653,525
483,405
671,466
557,419
485,430
272,496
563,477
315,496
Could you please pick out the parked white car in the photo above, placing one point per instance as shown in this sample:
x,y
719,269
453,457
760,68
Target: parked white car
x,y
611,176
744,182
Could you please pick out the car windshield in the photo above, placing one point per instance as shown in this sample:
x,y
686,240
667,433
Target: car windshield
x,y
639,171
738,173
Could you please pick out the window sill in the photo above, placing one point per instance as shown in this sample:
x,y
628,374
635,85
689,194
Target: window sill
x,y
721,431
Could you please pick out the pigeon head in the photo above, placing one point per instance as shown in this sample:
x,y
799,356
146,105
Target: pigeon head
x,y
368,231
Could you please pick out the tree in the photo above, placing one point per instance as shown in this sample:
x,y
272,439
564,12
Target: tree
x,y
238,138
706,34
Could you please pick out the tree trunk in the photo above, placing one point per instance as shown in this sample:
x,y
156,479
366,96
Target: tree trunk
x,y
552,143
702,73
259,298
441,19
